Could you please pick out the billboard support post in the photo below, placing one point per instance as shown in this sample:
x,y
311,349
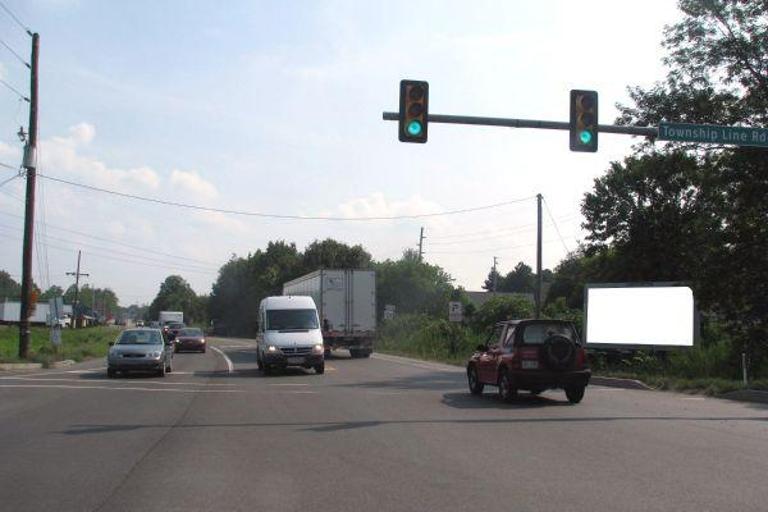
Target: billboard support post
x,y
744,369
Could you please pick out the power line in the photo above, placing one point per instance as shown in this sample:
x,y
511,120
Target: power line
x,y
502,233
116,242
120,253
557,229
8,180
19,57
8,166
12,88
491,250
17,20
283,216
472,234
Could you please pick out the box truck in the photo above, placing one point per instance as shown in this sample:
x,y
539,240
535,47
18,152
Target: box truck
x,y
166,317
346,305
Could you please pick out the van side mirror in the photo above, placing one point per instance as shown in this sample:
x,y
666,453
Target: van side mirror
x,y
111,343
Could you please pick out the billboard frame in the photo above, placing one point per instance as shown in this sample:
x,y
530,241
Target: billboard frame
x,y
642,284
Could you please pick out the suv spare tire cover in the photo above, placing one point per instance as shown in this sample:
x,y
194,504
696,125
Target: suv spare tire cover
x,y
559,352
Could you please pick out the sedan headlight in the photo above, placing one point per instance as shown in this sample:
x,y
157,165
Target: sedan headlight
x,y
272,349
317,349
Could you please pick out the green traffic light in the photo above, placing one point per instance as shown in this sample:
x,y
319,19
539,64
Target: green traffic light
x,y
414,128
585,136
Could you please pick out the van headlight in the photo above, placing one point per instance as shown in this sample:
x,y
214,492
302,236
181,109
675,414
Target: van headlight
x,y
317,349
272,349
154,355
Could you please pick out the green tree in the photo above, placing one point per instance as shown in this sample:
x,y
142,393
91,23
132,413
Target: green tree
x,y
501,308
9,288
176,294
52,292
332,254
413,286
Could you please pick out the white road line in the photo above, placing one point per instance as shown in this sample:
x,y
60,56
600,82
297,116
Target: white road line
x,y
230,366
52,373
300,392
289,384
121,388
694,398
120,382
424,365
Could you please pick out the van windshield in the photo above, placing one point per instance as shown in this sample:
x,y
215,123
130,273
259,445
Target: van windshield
x,y
291,319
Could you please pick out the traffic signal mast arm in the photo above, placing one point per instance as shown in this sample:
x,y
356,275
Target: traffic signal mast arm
x,y
643,131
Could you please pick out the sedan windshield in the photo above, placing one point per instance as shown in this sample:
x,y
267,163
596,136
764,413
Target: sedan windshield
x,y
291,319
140,338
190,332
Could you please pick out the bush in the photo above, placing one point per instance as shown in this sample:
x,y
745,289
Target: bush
x,y
426,338
499,309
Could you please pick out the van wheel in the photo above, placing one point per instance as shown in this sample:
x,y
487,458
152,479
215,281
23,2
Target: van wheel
x,y
259,363
111,373
320,368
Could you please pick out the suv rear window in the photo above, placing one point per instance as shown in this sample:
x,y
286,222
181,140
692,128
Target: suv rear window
x,y
537,333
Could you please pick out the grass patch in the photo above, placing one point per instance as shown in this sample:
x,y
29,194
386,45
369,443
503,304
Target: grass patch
x,y
77,344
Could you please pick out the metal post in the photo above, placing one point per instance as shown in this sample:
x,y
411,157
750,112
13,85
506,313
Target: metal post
x,y
744,369
495,275
29,210
538,256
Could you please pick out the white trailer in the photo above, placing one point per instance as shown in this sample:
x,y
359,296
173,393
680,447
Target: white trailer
x,y
165,317
346,304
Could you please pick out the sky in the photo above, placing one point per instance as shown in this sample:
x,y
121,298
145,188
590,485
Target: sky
x,y
276,107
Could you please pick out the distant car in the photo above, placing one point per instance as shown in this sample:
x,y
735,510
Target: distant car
x,y
139,323
190,338
139,350
531,355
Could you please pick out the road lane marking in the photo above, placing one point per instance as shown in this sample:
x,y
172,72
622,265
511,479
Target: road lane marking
x,y
694,398
102,368
300,392
289,384
330,369
121,388
120,382
230,366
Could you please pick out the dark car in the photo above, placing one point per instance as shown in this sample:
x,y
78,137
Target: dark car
x,y
531,355
190,338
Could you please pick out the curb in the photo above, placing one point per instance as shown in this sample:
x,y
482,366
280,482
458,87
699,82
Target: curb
x,y
20,366
620,383
62,364
746,395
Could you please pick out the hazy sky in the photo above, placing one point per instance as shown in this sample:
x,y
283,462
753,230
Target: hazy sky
x,y
276,107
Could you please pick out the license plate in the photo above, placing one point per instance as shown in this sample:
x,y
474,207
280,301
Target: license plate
x,y
295,360
530,365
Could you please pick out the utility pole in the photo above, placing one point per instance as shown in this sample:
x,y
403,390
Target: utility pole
x,y
421,243
77,275
538,255
30,165
495,274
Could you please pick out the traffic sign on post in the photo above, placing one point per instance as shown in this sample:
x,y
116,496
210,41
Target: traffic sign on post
x,y
713,134
414,103
583,122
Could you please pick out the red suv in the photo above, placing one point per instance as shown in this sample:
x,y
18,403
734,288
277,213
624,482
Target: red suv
x,y
533,355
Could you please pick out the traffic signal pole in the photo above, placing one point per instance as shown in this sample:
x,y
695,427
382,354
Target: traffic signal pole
x,y
643,131
30,165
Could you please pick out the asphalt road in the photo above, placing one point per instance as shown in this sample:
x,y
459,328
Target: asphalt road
x,y
376,434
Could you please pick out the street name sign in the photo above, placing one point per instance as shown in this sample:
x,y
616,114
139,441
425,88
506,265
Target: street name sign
x,y
713,134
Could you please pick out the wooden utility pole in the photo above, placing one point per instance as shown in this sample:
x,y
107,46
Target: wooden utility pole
x,y
30,165
77,275
538,256
421,243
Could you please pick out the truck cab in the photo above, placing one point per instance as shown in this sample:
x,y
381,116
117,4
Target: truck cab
x,y
289,334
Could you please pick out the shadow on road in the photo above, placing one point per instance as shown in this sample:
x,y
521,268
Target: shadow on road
x,y
491,401
328,426
437,380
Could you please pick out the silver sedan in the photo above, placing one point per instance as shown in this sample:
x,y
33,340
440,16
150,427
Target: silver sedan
x,y
139,350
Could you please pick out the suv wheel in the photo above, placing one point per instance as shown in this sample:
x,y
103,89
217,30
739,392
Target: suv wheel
x,y
475,386
111,373
507,392
574,394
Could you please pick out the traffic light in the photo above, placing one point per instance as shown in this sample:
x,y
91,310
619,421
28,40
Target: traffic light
x,y
583,121
414,101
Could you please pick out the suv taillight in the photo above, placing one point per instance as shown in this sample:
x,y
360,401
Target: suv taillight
x,y
581,358
529,353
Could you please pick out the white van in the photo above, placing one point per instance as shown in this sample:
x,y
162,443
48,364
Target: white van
x,y
289,334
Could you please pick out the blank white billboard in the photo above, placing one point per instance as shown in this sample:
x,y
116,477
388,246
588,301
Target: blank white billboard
x,y
661,316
